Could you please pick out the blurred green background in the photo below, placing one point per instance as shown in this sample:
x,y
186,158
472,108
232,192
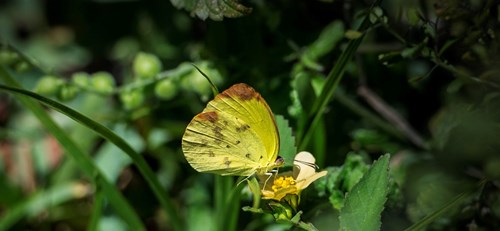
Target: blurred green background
x,y
423,86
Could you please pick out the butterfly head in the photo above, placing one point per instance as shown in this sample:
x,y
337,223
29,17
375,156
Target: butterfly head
x,y
279,162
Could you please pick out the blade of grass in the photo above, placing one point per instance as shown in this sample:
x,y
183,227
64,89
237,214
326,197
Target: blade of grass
x,y
96,211
332,81
233,207
86,164
222,191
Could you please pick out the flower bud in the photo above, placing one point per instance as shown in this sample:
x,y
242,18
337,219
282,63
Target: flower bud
x,y
146,65
81,80
48,85
281,210
103,82
67,92
132,99
166,89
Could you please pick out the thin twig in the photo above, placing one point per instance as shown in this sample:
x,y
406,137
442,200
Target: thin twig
x,y
391,115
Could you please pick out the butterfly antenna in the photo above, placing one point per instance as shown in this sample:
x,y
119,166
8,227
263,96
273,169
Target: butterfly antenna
x,y
215,91
312,165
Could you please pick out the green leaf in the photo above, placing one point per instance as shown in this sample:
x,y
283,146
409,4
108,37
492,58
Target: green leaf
x,y
215,9
326,41
287,140
365,202
302,87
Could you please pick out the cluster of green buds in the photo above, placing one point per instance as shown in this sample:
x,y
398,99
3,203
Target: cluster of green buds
x,y
13,59
147,70
100,82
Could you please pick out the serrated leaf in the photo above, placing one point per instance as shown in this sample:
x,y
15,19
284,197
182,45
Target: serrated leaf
x,y
213,9
287,140
365,202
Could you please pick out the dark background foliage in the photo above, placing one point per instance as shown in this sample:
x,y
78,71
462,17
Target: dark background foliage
x,y
428,70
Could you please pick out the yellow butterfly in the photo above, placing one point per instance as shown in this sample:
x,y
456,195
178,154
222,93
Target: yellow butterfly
x,y
236,134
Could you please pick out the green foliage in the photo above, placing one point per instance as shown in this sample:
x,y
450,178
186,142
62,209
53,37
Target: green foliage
x,y
365,201
43,199
215,10
354,81
326,41
341,180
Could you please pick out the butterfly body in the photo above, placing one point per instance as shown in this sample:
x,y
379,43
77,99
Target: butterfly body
x,y
234,135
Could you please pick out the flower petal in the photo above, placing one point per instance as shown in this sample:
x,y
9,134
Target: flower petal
x,y
306,182
304,166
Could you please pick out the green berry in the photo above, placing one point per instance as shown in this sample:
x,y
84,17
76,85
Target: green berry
x,y
103,82
81,80
166,89
48,85
132,99
67,92
146,65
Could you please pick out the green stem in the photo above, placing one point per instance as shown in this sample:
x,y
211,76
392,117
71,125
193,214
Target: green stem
x,y
96,211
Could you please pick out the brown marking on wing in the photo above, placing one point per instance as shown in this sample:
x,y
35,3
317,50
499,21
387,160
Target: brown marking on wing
x,y
227,162
241,91
210,116
218,134
217,131
243,128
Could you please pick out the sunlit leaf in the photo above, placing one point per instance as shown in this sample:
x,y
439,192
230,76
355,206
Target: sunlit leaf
x,y
213,9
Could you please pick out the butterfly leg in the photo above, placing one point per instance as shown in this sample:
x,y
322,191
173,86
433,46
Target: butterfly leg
x,y
269,175
244,179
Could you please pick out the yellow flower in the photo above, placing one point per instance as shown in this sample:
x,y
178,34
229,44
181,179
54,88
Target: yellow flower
x,y
303,174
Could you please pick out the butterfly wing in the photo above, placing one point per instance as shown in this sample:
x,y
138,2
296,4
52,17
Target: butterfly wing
x,y
235,135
